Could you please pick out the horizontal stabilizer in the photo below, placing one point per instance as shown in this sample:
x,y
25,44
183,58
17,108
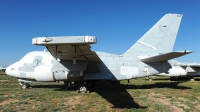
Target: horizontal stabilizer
x,y
165,57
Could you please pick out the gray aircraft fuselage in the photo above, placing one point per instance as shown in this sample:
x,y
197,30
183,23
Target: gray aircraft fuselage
x,y
41,66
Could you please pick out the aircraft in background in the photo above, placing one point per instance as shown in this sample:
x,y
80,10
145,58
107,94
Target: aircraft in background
x,y
3,69
183,69
70,59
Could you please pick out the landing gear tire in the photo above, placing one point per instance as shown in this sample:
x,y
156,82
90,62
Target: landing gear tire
x,y
26,85
192,79
83,89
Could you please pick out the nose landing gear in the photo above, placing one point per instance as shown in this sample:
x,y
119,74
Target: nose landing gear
x,y
24,85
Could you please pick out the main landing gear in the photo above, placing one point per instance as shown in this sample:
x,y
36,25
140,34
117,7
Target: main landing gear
x,y
89,84
83,87
24,85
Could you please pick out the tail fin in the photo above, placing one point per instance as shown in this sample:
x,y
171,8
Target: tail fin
x,y
159,39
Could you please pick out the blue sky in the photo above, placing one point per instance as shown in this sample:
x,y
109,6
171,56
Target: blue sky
x,y
117,24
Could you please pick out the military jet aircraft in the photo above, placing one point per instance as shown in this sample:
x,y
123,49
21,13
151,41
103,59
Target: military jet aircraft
x,y
183,69
70,58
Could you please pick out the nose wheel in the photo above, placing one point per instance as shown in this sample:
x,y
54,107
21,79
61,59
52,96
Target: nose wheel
x,y
24,85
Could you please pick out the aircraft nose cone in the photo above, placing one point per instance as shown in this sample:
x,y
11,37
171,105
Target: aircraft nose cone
x,y
8,71
12,70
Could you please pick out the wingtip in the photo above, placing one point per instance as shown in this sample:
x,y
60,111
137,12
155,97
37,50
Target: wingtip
x,y
187,51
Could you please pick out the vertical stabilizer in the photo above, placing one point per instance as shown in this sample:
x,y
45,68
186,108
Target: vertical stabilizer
x,y
159,39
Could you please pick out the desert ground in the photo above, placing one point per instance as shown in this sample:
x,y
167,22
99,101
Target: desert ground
x,y
140,95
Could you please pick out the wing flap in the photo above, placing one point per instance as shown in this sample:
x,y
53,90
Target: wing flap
x,y
164,57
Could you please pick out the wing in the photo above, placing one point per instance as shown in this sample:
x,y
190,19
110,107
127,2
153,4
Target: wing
x,y
164,57
69,47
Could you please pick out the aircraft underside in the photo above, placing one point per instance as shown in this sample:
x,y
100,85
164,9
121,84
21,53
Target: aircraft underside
x,y
82,85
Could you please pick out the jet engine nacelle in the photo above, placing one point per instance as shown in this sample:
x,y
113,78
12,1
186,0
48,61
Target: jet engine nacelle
x,y
43,73
174,72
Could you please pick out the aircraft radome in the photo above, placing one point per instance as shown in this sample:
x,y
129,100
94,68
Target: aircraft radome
x,y
70,59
